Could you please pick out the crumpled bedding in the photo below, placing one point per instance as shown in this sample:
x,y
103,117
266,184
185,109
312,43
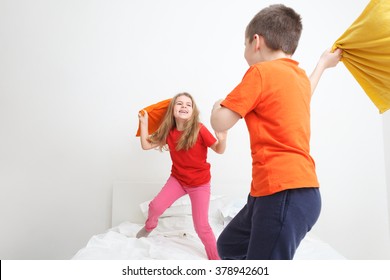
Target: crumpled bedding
x,y
175,239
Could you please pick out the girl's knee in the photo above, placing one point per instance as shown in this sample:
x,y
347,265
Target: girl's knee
x,y
203,229
155,209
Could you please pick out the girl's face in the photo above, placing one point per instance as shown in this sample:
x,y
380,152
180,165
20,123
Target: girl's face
x,y
182,109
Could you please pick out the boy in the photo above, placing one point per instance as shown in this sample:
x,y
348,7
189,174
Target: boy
x,y
274,98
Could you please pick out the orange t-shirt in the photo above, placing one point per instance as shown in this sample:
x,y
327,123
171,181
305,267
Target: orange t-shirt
x,y
274,98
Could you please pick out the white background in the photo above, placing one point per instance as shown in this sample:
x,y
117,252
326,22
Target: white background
x,y
74,73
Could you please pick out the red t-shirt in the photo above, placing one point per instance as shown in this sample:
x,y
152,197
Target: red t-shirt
x,y
190,167
274,98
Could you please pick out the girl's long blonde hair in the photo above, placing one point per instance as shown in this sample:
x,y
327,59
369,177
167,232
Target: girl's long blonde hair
x,y
190,132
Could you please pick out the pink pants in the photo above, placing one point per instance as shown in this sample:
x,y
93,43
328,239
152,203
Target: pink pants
x,y
200,201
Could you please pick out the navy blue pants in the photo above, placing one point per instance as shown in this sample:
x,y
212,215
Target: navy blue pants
x,y
270,227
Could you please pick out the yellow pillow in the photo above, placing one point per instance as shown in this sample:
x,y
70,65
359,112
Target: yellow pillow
x,y
366,52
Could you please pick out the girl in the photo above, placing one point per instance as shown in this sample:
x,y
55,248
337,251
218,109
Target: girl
x,y
187,140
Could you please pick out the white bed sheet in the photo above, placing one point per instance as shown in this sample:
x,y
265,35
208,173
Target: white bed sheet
x,y
119,243
175,238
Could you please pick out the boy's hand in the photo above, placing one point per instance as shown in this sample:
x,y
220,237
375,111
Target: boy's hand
x,y
330,59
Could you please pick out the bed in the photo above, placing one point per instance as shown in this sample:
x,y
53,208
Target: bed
x,y
175,237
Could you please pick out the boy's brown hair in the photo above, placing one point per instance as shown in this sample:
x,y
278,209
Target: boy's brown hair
x,y
280,26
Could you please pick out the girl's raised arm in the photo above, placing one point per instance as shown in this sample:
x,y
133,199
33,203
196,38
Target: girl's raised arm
x,y
144,133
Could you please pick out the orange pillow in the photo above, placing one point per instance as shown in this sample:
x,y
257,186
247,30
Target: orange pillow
x,y
156,113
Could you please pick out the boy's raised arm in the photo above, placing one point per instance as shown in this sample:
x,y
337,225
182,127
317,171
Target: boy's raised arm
x,y
327,60
222,119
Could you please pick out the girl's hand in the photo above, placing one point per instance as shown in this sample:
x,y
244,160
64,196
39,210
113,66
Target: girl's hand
x,y
143,117
221,135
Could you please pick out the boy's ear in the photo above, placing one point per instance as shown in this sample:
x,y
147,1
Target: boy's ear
x,y
259,41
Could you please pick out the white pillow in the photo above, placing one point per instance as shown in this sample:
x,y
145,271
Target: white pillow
x,y
231,209
175,223
182,207
183,225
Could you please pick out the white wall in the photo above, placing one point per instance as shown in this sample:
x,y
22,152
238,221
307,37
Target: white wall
x,y
73,75
386,139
